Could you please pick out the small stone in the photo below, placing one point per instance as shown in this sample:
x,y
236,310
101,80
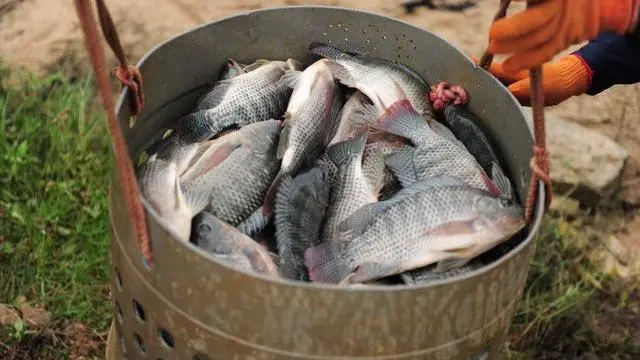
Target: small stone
x,y
8,316
565,206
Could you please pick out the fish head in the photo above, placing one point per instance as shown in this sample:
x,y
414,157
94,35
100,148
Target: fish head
x,y
497,218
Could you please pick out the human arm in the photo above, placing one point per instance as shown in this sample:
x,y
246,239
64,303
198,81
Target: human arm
x,y
608,60
532,37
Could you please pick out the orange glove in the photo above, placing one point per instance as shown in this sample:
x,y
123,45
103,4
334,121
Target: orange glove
x,y
535,35
561,79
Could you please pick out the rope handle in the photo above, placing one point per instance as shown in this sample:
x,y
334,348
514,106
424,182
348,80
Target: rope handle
x,y
129,76
540,162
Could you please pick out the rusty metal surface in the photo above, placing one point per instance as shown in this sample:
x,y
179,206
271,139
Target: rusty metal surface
x,y
208,308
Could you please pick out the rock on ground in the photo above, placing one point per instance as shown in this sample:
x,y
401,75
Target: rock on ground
x,y
584,163
584,160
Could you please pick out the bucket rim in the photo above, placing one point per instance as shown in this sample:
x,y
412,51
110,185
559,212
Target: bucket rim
x,y
531,234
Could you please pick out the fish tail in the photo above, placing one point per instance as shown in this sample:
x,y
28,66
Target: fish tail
x,y
270,196
342,152
502,181
323,264
401,119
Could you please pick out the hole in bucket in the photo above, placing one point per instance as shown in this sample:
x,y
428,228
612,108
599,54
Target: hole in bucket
x,y
119,314
139,343
166,339
139,311
132,122
119,283
200,357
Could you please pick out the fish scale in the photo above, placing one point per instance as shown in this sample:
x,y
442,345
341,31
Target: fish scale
x,y
235,187
258,95
351,189
412,230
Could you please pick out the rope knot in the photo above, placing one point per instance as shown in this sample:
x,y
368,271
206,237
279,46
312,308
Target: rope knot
x,y
443,94
540,172
130,77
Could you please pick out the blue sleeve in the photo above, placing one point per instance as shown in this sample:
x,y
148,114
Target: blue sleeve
x,y
613,59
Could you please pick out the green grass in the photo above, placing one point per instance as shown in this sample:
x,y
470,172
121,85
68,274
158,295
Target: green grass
x,y
55,157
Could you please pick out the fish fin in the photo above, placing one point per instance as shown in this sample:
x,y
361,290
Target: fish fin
x,y
327,51
255,223
291,77
282,209
322,263
260,259
374,171
401,119
342,152
368,271
211,158
295,64
401,165
270,195
283,142
501,180
364,115
451,264
214,97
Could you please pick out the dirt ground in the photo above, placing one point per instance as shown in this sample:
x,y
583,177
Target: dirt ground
x,y
42,34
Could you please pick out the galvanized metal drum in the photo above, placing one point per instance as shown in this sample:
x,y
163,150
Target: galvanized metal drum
x,y
190,307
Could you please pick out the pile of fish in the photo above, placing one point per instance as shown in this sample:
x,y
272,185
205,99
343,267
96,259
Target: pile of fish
x,y
337,172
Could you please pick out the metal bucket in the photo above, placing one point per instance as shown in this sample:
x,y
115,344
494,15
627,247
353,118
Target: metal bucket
x,y
190,307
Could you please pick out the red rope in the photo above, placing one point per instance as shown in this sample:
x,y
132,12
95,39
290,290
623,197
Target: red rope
x,y
123,162
443,94
128,75
540,162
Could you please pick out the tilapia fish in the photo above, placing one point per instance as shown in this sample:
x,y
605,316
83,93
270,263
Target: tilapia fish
x,y
226,244
300,206
463,124
383,81
352,188
258,95
229,179
310,121
434,151
438,220
228,175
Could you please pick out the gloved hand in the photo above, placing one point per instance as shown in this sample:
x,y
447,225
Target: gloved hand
x,y
535,35
561,79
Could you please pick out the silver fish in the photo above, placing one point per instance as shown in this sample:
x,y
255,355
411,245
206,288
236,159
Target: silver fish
x,y
226,244
310,121
435,151
438,220
383,81
300,206
258,95
231,177
352,188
